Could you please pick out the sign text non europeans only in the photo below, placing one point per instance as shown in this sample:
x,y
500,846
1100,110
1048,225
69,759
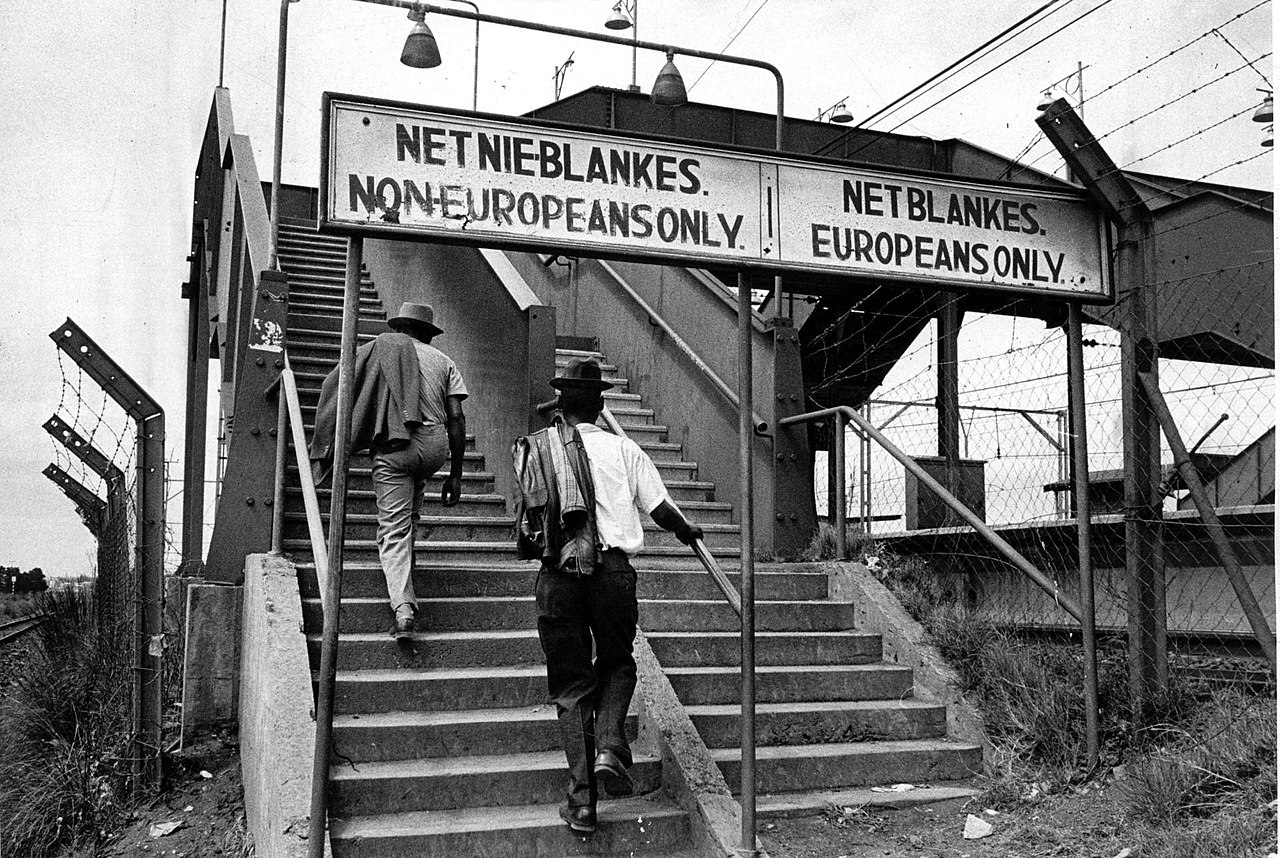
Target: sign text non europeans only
x,y
396,169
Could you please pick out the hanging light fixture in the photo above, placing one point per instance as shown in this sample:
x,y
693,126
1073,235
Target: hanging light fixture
x,y
619,19
1046,98
840,113
420,48
669,89
1267,137
1264,111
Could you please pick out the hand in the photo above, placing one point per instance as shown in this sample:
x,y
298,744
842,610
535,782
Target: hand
x,y
689,534
451,493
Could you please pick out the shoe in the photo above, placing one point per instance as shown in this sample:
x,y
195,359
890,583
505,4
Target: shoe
x,y
612,775
581,819
402,628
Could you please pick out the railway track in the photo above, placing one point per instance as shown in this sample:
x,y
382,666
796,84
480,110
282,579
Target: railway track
x,y
14,629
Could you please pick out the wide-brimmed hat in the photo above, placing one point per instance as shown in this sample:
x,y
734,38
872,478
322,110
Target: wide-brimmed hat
x,y
581,374
412,315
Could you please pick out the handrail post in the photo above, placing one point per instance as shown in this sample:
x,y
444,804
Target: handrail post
x,y
1080,458
745,433
282,443
337,521
837,445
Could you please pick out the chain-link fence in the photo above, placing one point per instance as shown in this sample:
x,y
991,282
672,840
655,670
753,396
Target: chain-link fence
x,y
1014,468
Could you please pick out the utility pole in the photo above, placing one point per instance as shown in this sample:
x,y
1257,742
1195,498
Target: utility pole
x,y
1144,543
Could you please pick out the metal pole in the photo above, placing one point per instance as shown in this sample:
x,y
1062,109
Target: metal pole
x,y
277,154
337,521
841,520
282,444
1212,524
475,76
151,608
635,37
1079,428
748,584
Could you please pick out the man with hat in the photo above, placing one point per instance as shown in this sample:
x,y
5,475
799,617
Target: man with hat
x,y
583,491
407,413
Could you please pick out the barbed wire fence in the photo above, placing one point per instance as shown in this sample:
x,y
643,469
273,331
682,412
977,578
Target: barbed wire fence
x,y
99,461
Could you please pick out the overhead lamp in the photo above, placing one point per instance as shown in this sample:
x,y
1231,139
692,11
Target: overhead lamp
x,y
840,113
1046,98
669,89
420,48
619,20
1264,111
1267,137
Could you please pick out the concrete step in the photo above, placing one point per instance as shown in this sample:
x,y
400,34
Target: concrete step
x,y
815,802
517,578
357,550
472,461
629,414
309,327
460,782
475,482
311,307
644,432
563,357
468,505
440,689
490,613
792,683
715,615
687,648
630,827
385,736
791,768
616,397
660,451
443,525
433,648
816,722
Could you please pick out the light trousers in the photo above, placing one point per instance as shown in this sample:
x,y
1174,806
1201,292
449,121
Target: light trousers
x,y
399,482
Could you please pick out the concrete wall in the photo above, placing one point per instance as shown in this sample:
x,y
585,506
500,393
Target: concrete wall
x,y
277,730
485,333
211,653
589,303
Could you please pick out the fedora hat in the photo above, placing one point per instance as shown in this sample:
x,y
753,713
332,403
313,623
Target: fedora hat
x,y
581,374
413,315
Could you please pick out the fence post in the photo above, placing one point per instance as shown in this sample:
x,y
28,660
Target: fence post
x,y
1144,551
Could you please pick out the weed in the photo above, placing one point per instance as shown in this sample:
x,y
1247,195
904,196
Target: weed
x,y
63,769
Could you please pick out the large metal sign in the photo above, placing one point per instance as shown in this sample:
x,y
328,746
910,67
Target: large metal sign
x,y
406,171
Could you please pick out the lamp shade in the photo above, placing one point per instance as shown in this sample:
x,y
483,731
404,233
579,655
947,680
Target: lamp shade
x,y
1046,99
618,20
1264,112
669,89
420,48
841,114
1268,137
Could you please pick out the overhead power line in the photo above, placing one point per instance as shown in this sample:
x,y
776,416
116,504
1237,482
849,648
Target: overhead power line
x,y
1001,65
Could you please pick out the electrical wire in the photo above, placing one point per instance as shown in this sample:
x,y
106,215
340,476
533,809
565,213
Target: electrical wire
x,y
999,66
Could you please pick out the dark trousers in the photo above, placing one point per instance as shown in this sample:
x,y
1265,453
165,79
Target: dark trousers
x,y
591,698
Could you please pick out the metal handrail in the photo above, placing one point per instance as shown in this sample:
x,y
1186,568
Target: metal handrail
x,y
291,413
1023,565
760,425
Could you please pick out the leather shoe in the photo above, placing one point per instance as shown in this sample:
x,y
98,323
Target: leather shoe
x,y
581,819
612,775
402,628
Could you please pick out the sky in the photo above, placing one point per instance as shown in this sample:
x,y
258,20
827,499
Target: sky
x,y
104,107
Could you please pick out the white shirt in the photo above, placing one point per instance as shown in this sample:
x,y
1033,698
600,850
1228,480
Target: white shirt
x,y
627,484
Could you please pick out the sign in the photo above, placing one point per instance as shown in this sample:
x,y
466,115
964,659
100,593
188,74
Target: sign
x,y
405,171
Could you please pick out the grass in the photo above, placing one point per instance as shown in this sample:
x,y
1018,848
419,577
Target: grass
x,y
1200,782
64,731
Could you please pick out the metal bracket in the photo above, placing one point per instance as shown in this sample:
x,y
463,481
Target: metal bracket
x,y
128,394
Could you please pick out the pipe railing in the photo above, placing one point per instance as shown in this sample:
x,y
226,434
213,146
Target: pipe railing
x,y
290,427
759,424
1060,598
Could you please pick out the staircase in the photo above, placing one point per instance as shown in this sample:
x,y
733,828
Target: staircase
x,y
445,745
